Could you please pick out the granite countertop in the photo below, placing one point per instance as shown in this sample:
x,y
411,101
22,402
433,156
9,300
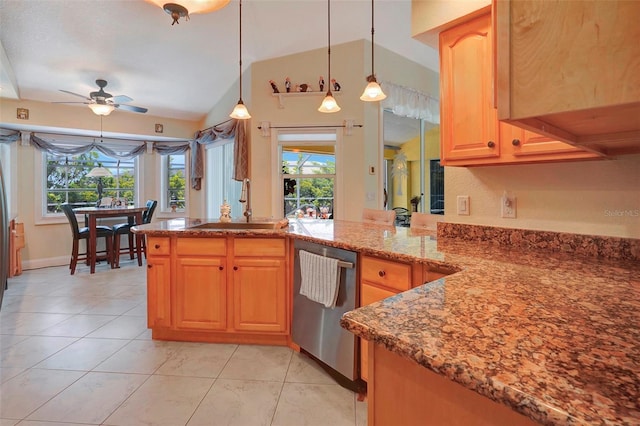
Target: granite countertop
x,y
553,335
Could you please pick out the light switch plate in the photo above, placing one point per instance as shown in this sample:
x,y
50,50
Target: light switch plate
x,y
463,205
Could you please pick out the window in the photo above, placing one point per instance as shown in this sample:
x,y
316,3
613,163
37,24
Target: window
x,y
174,182
66,180
308,176
222,186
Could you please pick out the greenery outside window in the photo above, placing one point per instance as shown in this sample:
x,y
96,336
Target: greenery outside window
x,y
174,182
67,181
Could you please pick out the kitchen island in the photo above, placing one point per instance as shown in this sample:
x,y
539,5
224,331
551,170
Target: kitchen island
x,y
526,320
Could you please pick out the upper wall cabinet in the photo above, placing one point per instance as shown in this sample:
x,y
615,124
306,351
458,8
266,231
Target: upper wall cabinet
x,y
571,71
471,134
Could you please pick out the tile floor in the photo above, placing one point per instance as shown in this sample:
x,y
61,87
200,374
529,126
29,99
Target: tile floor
x,y
75,350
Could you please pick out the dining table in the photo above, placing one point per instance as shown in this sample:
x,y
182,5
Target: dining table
x,y
94,213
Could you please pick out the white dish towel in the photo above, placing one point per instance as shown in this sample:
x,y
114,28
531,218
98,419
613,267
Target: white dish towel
x,y
320,278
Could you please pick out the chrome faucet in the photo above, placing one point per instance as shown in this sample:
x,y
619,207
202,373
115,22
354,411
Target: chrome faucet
x,y
245,197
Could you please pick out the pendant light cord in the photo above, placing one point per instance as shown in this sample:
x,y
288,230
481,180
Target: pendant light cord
x,y
372,31
240,61
329,43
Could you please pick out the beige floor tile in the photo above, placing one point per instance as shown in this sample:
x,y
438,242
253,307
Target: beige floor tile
x,y
91,399
197,360
315,405
251,362
39,423
305,370
145,335
139,311
238,403
7,373
78,325
9,422
111,306
7,340
24,393
29,323
123,327
31,351
162,400
139,356
83,355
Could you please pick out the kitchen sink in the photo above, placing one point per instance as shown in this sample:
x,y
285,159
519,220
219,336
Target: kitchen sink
x,y
269,224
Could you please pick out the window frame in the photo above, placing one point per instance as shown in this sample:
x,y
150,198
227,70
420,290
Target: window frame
x,y
162,186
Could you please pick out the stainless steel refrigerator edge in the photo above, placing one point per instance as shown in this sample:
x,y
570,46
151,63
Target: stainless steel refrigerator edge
x,y
4,237
316,328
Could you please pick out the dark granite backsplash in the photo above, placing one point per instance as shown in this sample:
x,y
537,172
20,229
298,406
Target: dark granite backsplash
x,y
600,247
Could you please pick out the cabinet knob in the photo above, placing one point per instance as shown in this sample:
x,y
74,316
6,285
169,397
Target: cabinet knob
x,y
221,267
515,142
157,246
235,268
491,144
382,273
149,266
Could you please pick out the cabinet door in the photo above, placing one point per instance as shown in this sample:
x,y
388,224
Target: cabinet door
x,y
201,293
259,294
158,291
469,122
527,146
368,295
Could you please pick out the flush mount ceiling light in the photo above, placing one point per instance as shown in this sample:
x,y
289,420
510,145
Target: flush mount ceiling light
x,y
102,108
329,103
240,111
373,92
186,7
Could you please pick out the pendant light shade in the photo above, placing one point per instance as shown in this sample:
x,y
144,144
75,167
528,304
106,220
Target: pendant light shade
x,y
373,92
240,111
329,103
183,8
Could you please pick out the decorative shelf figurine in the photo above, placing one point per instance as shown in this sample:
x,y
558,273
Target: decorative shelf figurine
x,y
336,85
225,212
287,84
321,83
274,86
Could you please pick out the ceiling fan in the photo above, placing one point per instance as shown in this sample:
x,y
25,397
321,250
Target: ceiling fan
x,y
103,103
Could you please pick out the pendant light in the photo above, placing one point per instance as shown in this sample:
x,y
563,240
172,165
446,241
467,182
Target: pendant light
x,y
329,104
373,92
183,8
240,111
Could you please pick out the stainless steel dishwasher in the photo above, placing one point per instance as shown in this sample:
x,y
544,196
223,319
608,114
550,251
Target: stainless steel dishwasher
x,y
316,329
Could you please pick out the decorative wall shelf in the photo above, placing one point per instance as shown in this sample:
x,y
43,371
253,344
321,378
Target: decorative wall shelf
x,y
281,96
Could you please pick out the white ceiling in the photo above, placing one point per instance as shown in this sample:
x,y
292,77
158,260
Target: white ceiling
x,y
178,71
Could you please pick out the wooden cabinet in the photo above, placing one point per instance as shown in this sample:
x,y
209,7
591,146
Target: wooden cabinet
x,y
569,70
259,285
219,289
379,279
470,131
158,282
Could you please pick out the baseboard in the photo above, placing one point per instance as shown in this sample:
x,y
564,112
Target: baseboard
x,y
45,263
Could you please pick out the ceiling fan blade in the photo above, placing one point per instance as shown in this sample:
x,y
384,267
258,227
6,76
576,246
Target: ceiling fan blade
x,y
131,108
85,103
121,99
75,94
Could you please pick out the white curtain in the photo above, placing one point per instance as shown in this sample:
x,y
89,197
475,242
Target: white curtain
x,y
407,102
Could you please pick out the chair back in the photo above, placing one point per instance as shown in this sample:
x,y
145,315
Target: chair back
x,y
148,213
386,217
73,221
425,221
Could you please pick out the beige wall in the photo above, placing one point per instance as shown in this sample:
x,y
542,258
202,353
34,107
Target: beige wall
x,y
429,17
587,197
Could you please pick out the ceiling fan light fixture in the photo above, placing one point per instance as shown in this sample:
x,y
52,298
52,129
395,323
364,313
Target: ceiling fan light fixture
x,y
329,103
186,7
373,92
240,111
101,109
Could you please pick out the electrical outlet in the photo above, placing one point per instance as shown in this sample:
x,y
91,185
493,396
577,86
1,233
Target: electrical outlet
x,y
463,205
508,206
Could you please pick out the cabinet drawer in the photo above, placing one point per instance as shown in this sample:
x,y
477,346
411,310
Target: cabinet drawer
x,y
272,247
201,246
370,294
158,246
386,273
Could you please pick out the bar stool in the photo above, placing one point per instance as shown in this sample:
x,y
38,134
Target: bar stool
x,y
83,234
125,229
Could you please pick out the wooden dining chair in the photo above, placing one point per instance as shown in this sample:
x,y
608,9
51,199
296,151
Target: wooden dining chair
x,y
425,221
83,234
125,229
386,217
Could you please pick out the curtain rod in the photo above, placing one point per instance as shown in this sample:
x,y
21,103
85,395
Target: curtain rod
x,y
311,127
215,125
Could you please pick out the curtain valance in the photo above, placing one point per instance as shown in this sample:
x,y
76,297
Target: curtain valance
x,y
9,137
407,102
59,148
